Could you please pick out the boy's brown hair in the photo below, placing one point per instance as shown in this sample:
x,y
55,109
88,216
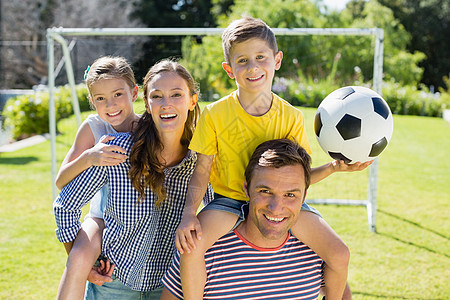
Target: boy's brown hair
x,y
244,29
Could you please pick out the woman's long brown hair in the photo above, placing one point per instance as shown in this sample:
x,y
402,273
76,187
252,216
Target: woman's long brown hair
x,y
146,170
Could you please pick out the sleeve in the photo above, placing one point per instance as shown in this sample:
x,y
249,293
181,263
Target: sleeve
x,y
204,140
172,280
209,195
76,194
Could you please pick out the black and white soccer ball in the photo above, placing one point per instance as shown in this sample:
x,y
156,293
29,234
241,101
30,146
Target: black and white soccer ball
x,y
353,124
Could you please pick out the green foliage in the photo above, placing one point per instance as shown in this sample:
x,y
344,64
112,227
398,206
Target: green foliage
x,y
408,100
27,115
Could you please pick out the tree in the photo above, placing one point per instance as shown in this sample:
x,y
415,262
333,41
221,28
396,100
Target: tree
x,y
428,22
24,24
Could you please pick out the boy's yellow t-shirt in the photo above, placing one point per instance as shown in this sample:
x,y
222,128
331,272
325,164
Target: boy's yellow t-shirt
x,y
227,131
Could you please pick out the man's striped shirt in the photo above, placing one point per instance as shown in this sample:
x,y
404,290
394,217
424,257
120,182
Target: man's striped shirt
x,y
236,269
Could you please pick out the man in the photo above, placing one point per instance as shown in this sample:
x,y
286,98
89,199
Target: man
x,y
260,258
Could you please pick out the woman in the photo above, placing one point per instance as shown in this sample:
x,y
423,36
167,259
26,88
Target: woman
x,y
146,193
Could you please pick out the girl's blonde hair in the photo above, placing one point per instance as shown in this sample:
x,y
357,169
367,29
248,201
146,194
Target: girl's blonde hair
x,y
146,169
109,67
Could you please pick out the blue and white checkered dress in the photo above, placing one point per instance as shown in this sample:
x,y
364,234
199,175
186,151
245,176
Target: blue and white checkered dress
x,y
138,238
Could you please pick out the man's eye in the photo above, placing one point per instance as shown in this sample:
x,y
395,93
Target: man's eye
x,y
290,195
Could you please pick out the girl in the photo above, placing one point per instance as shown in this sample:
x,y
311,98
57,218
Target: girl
x,y
146,193
112,91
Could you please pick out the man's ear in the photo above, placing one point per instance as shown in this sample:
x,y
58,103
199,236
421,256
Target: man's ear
x,y
227,69
246,190
278,59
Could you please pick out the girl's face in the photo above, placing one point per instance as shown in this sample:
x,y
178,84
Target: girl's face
x,y
169,100
113,100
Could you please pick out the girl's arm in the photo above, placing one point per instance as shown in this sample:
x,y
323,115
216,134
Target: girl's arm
x,y
84,153
319,173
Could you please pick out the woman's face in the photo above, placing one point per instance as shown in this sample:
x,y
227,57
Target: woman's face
x,y
169,101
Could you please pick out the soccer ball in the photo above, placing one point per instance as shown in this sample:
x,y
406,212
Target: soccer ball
x,y
353,124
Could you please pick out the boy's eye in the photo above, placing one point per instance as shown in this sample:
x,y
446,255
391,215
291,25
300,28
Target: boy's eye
x,y
290,195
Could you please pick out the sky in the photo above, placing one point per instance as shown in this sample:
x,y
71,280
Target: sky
x,y
336,4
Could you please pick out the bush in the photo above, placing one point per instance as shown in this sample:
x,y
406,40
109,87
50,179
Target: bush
x,y
27,115
409,100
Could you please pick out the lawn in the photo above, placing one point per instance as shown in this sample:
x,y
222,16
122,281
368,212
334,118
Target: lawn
x,y
407,258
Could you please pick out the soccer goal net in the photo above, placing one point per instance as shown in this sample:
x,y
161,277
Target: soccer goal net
x,y
345,189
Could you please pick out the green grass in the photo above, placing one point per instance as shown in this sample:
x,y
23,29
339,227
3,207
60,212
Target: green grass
x,y
408,257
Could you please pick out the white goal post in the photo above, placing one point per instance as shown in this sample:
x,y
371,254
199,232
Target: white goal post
x,y
58,34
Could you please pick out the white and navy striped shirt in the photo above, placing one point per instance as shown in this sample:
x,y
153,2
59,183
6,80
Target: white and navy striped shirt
x,y
236,269
138,238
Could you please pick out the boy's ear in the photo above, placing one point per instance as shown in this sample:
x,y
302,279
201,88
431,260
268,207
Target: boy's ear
x,y
278,59
227,69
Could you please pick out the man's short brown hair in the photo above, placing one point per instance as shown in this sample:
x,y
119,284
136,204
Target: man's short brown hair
x,y
276,154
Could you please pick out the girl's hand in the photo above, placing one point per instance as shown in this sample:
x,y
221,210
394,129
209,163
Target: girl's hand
x,y
187,231
106,155
102,274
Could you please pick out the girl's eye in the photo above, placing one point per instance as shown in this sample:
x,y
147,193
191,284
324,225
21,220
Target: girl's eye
x,y
242,60
118,94
99,99
260,57
155,97
176,95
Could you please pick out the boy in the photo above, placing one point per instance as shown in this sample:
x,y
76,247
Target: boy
x,y
228,132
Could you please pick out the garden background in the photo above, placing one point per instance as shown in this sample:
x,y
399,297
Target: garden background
x,y
407,258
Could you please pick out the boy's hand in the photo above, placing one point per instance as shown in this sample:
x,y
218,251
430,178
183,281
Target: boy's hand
x,y
188,229
106,155
102,274
341,166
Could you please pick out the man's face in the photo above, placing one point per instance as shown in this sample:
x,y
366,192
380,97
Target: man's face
x,y
276,196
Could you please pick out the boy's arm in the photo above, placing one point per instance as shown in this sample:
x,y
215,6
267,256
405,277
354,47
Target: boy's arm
x,y
319,173
196,191
84,154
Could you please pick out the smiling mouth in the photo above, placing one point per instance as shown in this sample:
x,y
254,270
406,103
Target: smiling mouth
x,y
255,78
114,114
273,219
168,116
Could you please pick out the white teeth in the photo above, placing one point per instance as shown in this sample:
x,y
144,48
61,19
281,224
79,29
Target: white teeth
x,y
274,219
114,114
255,78
168,116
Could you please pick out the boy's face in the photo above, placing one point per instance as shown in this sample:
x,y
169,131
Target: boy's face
x,y
253,65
